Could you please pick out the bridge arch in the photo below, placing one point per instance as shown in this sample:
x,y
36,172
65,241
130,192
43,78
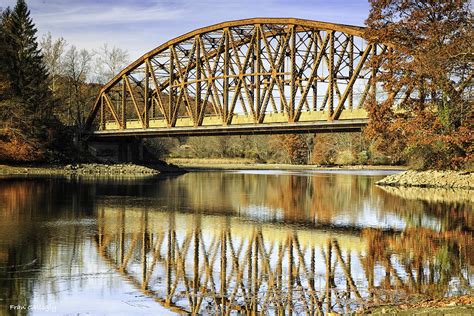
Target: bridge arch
x,y
261,71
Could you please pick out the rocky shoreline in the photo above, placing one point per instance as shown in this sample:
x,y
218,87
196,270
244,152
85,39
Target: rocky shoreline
x,y
431,179
91,169
99,169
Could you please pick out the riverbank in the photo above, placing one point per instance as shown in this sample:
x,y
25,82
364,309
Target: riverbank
x,y
431,179
202,164
433,195
405,178
90,169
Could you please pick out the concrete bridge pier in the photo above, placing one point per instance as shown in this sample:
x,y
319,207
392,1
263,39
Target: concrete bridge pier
x,y
123,150
130,151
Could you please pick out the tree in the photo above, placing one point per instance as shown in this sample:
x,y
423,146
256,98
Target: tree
x,y
53,51
430,61
4,80
296,148
110,62
26,102
79,96
25,68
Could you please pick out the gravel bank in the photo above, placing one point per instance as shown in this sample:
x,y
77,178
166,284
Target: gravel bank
x,y
126,169
90,169
431,179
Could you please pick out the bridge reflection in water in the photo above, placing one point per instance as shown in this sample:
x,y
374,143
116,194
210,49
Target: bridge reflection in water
x,y
197,264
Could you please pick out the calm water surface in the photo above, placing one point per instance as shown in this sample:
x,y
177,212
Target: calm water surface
x,y
207,243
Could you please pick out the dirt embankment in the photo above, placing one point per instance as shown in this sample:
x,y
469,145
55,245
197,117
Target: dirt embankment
x,y
89,169
431,179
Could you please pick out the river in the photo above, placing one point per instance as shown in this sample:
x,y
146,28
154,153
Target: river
x,y
236,242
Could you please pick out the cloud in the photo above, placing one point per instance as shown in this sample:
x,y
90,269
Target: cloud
x,y
99,14
139,26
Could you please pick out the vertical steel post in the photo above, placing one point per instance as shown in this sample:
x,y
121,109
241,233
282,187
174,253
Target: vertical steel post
x,y
351,70
171,105
102,113
197,114
258,70
282,70
225,91
315,82
146,119
331,76
124,105
292,106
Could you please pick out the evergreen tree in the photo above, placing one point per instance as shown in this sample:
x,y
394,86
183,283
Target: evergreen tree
x,y
4,82
27,123
24,62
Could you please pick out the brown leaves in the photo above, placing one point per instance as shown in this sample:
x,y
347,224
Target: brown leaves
x,y
431,58
296,148
14,148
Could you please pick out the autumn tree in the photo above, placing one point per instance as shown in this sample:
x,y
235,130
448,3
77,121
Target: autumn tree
x,y
296,147
428,65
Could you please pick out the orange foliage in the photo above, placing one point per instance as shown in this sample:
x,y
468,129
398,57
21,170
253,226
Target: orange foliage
x,y
430,62
296,147
12,148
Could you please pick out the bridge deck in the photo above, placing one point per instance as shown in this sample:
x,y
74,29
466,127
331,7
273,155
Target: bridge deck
x,y
274,123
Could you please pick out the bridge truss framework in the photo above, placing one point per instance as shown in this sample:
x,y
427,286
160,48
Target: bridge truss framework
x,y
254,75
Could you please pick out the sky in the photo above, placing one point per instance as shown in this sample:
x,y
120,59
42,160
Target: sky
x,y
141,25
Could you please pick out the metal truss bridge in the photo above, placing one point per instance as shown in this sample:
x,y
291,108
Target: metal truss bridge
x,y
261,75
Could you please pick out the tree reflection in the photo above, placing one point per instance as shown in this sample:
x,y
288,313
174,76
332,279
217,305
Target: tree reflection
x,y
24,243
